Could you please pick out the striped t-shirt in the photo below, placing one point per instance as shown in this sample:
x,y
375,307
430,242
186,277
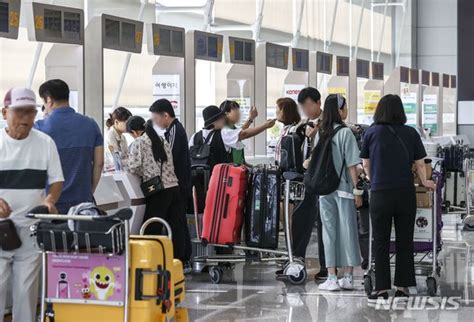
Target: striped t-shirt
x,y
26,167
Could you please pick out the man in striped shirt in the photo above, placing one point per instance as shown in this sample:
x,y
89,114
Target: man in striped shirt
x,y
29,162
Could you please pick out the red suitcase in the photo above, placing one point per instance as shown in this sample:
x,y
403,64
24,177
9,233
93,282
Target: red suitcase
x,y
225,200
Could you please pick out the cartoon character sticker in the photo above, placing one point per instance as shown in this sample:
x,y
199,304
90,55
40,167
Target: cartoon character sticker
x,y
102,282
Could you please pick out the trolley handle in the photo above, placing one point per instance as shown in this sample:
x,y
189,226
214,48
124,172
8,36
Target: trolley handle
x,y
162,287
156,220
122,214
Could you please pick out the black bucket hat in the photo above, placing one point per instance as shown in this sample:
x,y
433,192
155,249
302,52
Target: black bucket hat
x,y
211,114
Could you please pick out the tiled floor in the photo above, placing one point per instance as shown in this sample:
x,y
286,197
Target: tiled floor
x,y
250,292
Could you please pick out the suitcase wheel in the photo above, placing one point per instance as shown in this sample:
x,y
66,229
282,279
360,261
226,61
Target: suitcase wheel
x,y
431,286
368,284
215,274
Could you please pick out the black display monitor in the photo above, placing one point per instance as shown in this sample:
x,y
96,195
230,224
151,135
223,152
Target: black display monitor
x,y
242,51
4,17
300,59
414,76
362,68
453,81
208,46
377,71
112,33
342,66
323,63
212,47
404,75
425,78
277,56
167,40
446,80
434,79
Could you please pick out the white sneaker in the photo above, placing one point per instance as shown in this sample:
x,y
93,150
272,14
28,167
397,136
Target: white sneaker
x,y
346,283
329,285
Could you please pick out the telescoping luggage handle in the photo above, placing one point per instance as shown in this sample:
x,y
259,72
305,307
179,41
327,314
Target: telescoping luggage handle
x,y
162,287
156,220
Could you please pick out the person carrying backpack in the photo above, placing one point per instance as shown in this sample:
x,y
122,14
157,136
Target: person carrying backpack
x,y
332,175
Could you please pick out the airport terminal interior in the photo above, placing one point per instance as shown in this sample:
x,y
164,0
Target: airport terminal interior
x,y
245,160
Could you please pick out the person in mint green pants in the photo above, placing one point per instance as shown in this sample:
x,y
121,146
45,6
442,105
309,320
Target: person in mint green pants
x,y
338,209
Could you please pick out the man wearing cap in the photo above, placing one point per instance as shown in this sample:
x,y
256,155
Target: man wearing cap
x,y
29,162
80,144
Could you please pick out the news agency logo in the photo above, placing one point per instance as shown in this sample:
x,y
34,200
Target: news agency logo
x,y
418,303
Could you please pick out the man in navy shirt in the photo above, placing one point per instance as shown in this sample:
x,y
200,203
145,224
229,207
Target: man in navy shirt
x,y
80,144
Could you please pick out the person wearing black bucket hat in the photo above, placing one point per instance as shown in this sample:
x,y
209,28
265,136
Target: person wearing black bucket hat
x,y
223,139
212,114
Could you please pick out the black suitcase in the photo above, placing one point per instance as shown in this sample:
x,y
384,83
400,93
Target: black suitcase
x,y
200,176
262,211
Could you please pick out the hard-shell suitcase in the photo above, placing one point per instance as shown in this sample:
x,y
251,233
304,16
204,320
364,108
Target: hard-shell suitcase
x,y
177,275
225,200
263,208
151,263
199,179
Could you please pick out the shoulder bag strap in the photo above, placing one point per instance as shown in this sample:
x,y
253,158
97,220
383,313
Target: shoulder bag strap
x,y
405,149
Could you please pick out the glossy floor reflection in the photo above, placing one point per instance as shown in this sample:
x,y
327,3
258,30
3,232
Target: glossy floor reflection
x,y
251,293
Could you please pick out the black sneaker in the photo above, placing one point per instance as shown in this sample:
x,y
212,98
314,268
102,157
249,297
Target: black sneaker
x,y
401,295
374,297
279,272
322,275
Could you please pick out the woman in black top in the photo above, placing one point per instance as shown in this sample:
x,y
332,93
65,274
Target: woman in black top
x,y
389,150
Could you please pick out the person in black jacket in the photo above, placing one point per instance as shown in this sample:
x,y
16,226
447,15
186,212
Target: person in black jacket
x,y
164,117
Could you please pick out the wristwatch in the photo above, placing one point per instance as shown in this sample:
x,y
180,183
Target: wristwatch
x,y
358,192
250,121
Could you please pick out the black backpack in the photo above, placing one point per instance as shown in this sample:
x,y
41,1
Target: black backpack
x,y
291,150
200,152
321,178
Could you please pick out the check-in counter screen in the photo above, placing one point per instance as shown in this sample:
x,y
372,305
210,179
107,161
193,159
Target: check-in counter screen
x,y
212,46
4,17
177,41
72,25
112,32
201,45
128,35
52,23
165,39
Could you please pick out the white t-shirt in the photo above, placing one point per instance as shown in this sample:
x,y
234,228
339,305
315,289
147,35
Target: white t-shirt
x,y
26,167
230,137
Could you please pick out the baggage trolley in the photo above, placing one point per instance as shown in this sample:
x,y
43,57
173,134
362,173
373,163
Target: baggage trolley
x,y
110,245
427,248
294,270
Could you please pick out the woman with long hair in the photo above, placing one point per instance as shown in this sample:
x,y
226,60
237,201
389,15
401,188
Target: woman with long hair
x,y
338,209
388,152
151,159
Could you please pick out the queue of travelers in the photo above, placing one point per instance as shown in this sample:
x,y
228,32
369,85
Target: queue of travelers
x,y
58,162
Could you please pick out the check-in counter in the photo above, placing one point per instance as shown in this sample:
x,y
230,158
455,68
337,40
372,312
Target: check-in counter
x,y
122,190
